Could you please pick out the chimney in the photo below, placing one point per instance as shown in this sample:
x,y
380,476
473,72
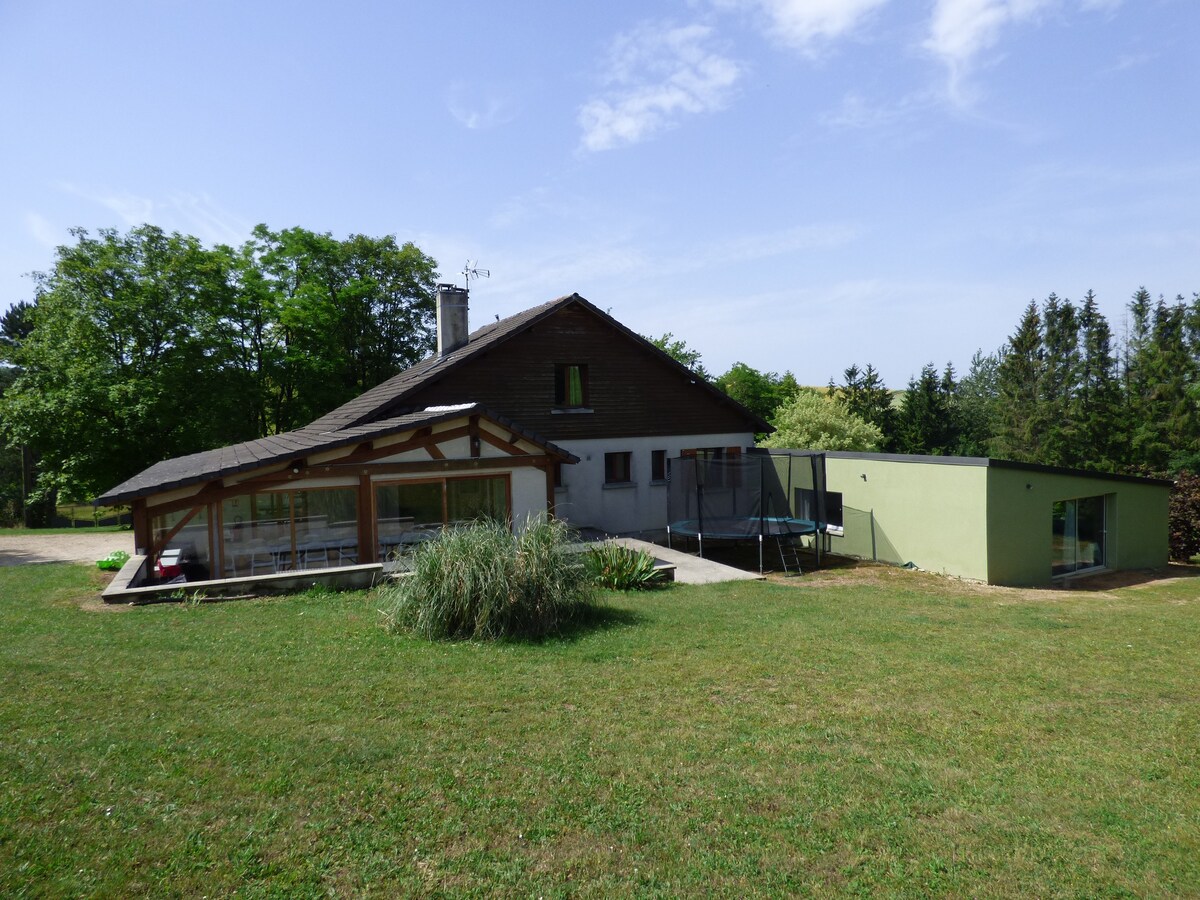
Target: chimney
x,y
451,318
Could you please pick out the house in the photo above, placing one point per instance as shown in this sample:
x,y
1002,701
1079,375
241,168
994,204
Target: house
x,y
559,409
993,520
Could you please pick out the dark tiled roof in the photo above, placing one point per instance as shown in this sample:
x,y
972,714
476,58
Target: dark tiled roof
x,y
370,403
391,393
293,445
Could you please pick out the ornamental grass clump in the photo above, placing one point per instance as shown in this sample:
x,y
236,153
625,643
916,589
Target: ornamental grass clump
x,y
483,581
622,568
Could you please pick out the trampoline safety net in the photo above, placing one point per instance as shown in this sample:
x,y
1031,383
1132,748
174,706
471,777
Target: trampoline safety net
x,y
776,493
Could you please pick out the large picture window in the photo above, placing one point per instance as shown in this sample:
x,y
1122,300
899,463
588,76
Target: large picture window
x,y
286,531
1079,535
408,512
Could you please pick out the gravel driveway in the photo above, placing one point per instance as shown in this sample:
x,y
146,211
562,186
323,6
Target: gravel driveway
x,y
17,549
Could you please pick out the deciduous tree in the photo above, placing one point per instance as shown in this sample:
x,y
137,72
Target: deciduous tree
x,y
812,421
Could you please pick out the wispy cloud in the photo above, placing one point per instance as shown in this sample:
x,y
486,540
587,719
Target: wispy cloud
x,y
765,245
42,231
857,112
1128,61
803,24
196,214
960,31
656,75
1104,6
478,108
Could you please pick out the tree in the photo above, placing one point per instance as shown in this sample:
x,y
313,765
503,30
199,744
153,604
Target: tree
x,y
1097,405
348,315
118,369
147,345
864,394
925,423
1059,385
811,421
976,400
15,325
679,351
11,472
1019,388
1160,382
760,392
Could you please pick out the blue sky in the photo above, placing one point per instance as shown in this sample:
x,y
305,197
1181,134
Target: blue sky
x,y
795,184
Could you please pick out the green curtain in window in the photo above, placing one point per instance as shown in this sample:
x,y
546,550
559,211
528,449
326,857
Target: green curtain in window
x,y
574,387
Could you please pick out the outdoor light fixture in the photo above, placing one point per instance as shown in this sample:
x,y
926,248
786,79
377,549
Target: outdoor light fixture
x,y
295,470
864,476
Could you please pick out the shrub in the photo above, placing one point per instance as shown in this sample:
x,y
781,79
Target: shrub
x,y
621,568
1185,516
482,581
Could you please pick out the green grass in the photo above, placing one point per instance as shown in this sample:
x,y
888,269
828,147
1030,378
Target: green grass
x,y
885,735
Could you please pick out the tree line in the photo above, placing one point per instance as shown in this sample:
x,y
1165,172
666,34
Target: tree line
x,y
147,345
1061,390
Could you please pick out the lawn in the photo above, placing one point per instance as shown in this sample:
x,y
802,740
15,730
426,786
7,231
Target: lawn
x,y
878,733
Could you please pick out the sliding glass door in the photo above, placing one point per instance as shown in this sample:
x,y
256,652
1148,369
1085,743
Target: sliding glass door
x,y
1079,535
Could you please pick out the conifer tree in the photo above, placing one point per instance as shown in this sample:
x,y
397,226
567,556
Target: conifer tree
x,y
925,422
1097,404
1019,389
1058,387
865,395
976,406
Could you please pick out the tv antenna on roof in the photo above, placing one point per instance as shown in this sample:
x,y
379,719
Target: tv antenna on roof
x,y
472,270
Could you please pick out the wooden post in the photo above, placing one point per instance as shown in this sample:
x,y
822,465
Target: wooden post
x,y
366,519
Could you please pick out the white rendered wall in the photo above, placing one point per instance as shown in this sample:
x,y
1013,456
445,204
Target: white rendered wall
x,y
586,501
528,494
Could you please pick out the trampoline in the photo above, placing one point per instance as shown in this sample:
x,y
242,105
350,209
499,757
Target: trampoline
x,y
761,495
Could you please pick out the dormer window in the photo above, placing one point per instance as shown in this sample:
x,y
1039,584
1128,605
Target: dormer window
x,y
571,386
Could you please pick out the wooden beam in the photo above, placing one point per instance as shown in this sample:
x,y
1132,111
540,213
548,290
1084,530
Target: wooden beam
x,y
366,519
156,547
473,432
450,466
502,444
141,525
435,452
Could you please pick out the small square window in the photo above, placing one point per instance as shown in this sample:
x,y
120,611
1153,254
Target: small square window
x,y
618,468
659,466
570,385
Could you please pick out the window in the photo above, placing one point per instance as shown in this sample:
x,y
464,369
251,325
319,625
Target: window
x,y
409,512
660,466
618,468
558,474
184,548
1078,535
281,531
806,508
571,386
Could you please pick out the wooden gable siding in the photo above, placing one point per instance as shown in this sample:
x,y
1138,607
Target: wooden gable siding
x,y
631,391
